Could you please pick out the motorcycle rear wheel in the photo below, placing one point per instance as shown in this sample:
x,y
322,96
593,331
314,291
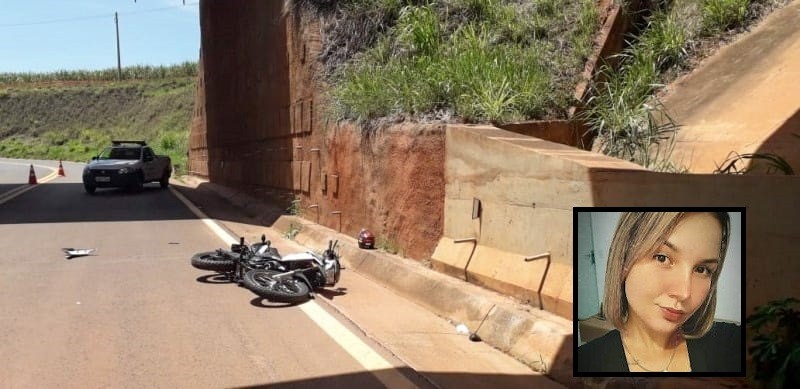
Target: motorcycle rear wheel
x,y
214,261
262,283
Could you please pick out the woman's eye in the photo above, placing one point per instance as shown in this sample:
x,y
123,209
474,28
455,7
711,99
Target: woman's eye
x,y
661,258
704,270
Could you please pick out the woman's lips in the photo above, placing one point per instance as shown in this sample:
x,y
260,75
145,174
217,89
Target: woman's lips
x,y
672,314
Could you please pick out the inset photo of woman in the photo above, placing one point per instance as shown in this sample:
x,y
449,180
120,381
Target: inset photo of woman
x,y
659,291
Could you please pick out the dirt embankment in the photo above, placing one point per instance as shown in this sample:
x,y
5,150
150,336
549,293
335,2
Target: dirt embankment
x,y
28,110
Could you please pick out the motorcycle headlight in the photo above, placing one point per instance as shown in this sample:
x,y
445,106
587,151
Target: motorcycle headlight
x,y
124,170
332,269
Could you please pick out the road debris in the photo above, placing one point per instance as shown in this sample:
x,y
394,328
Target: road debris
x,y
72,253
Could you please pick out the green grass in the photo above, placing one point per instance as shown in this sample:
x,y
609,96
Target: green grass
x,y
720,15
630,124
295,207
294,229
59,145
477,60
623,111
388,245
175,144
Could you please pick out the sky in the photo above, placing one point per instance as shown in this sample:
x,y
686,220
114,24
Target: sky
x,y
50,35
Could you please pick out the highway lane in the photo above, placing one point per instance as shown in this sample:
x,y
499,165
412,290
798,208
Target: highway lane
x,y
15,174
12,174
136,314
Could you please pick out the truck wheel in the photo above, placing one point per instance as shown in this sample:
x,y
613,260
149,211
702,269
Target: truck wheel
x,y
164,181
89,188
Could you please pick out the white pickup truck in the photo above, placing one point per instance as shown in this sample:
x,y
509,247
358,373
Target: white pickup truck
x,y
126,164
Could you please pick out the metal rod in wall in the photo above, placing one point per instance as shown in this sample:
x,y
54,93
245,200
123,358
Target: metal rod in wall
x,y
471,253
317,207
541,283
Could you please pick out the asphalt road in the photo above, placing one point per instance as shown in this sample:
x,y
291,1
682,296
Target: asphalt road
x,y
136,314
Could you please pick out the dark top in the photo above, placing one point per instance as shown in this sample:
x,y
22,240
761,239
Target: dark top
x,y
718,351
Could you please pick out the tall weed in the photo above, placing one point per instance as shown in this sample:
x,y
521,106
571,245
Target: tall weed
x,y
480,60
478,9
631,126
418,30
629,122
666,37
719,15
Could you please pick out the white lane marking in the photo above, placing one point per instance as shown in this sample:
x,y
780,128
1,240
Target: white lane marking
x,y
347,340
7,196
221,233
360,351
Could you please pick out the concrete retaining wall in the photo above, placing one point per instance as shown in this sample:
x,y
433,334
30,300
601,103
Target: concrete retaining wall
x,y
527,188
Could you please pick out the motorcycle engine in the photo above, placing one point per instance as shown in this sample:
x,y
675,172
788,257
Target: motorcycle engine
x,y
317,279
257,262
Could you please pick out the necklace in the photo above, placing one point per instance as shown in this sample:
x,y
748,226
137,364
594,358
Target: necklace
x,y
637,363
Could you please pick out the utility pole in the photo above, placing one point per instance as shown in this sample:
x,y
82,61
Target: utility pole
x,y
119,63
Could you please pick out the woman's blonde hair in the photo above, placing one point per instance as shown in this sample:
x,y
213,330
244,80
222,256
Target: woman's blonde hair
x,y
639,234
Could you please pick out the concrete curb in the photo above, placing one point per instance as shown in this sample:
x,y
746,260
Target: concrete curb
x,y
539,339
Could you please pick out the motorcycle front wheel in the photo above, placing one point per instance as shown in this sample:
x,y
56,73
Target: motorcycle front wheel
x,y
263,283
214,261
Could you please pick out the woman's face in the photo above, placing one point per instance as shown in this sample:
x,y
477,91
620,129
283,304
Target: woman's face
x,y
666,287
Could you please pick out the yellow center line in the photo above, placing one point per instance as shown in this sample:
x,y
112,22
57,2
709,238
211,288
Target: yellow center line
x,y
347,340
7,196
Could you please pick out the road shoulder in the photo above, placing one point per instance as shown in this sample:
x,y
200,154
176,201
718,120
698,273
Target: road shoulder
x,y
405,325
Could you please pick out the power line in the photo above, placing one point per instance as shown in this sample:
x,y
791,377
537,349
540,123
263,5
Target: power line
x,y
55,21
157,9
81,18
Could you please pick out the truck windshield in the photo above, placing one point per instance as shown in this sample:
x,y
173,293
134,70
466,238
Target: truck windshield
x,y
120,153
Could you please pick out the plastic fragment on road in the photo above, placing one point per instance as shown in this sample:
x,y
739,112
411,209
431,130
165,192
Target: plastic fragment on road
x,y
72,253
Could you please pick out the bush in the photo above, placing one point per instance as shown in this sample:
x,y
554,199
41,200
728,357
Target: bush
x,y
169,141
776,343
720,15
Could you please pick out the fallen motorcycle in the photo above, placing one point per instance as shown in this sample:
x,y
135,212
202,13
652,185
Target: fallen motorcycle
x,y
293,278
241,258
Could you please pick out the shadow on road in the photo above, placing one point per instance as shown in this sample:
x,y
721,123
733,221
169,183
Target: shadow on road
x,y
261,302
69,203
216,278
444,380
331,293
